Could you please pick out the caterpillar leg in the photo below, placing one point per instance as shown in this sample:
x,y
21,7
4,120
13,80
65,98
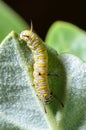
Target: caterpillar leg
x,y
52,74
33,85
58,100
44,104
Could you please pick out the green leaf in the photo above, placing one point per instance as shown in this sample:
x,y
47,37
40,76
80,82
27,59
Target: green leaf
x,y
74,112
9,21
21,109
65,37
19,105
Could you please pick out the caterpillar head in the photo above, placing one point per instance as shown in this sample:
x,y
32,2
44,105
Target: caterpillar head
x,y
25,35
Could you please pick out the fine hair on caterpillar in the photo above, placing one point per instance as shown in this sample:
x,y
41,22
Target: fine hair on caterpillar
x,y
40,72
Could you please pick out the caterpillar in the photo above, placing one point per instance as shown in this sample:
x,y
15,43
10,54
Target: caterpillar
x,y
40,72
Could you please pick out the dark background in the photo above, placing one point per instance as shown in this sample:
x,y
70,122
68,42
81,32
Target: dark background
x,y
44,12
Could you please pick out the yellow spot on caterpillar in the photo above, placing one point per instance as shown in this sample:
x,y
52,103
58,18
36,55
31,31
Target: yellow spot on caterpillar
x,y
33,39
40,50
43,87
45,95
43,73
41,80
37,44
29,33
33,51
42,65
42,57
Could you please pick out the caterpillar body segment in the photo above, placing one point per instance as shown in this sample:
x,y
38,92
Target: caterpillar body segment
x,y
40,64
40,72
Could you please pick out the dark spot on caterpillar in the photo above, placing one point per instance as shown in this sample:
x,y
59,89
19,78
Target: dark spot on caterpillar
x,y
39,73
